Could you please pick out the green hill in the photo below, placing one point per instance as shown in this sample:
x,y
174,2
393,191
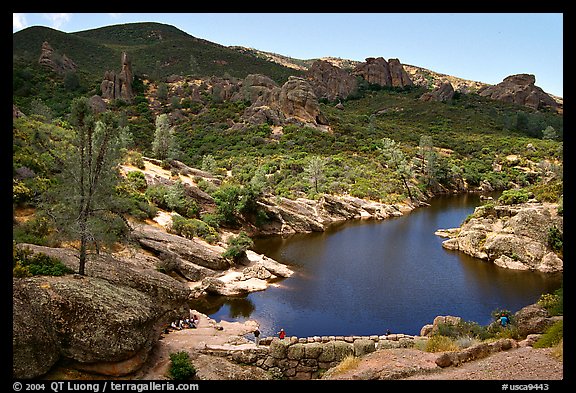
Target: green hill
x,y
157,50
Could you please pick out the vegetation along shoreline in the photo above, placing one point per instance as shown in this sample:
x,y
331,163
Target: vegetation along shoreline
x,y
140,180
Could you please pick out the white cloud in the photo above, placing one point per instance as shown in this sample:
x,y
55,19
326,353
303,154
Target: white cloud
x,y
114,15
58,19
18,21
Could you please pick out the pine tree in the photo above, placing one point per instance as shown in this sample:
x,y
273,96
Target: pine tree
x,y
163,145
83,204
315,172
396,160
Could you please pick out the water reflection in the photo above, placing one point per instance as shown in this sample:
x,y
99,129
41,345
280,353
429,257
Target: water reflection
x,y
236,307
364,277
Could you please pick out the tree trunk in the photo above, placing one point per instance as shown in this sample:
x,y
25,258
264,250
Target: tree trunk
x,y
83,242
407,188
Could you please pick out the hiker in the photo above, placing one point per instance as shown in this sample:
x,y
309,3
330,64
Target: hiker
x,y
504,320
281,334
257,336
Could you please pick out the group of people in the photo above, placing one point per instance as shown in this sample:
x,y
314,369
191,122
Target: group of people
x,y
190,322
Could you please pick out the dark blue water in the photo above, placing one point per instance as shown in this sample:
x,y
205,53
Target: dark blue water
x,y
364,277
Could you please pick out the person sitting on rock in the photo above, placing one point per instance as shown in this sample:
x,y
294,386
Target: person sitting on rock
x,y
195,321
281,334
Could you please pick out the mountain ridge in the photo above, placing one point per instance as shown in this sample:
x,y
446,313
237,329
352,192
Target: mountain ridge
x,y
202,56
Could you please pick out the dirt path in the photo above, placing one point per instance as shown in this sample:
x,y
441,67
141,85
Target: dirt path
x,y
524,363
209,333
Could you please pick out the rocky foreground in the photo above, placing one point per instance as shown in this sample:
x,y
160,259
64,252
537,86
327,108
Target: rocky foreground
x,y
109,320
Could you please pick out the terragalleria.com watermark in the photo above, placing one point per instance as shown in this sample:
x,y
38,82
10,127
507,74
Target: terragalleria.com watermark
x,y
98,387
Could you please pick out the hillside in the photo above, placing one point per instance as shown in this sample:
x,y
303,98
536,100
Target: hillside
x,y
215,145
420,76
162,50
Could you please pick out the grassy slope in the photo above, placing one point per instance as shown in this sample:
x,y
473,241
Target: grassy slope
x,y
155,49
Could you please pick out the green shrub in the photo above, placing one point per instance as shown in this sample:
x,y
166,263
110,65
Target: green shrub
x,y
555,241
237,246
190,228
212,220
137,180
512,197
463,330
173,198
26,263
553,335
554,303
181,368
439,343
33,231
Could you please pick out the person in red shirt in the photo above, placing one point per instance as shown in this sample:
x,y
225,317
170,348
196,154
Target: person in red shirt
x,y
281,334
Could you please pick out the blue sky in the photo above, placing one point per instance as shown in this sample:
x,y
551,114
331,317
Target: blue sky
x,y
484,47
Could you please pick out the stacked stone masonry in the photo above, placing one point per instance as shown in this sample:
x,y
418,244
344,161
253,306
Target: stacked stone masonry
x,y
307,357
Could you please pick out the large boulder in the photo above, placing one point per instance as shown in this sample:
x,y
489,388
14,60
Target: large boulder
x,y
398,75
298,101
111,316
375,71
533,319
514,237
520,89
329,81
442,93
384,73
194,251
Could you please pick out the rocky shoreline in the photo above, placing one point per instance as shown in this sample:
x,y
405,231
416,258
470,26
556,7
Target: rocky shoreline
x,y
510,236
109,320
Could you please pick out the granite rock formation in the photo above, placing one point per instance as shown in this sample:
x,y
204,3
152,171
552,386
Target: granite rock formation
x,y
293,103
60,64
384,73
329,81
107,320
520,89
510,236
119,86
442,93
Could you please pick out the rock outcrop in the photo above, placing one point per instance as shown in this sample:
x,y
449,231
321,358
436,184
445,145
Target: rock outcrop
x,y
520,89
293,103
510,236
398,75
329,81
107,320
119,86
442,93
60,64
302,215
298,102
384,73
204,268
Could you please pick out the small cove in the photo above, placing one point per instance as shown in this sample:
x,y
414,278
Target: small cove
x,y
363,277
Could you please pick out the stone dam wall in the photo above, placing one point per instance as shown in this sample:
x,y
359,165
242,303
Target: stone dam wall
x,y
307,357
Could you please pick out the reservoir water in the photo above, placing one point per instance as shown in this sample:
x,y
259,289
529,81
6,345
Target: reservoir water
x,y
365,277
